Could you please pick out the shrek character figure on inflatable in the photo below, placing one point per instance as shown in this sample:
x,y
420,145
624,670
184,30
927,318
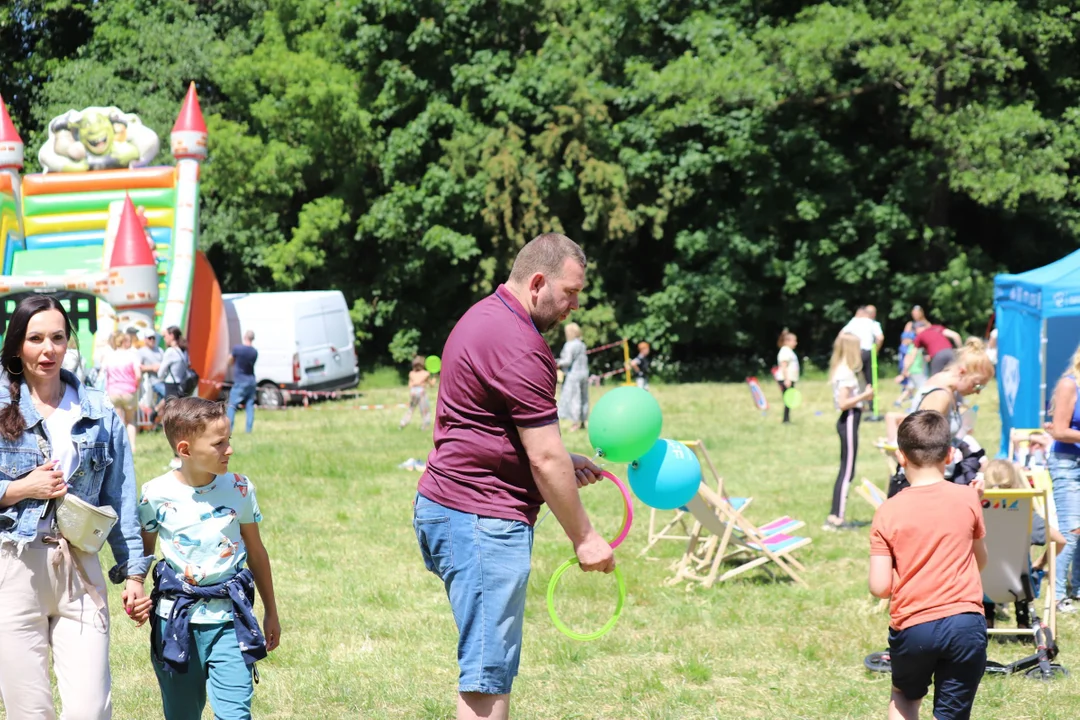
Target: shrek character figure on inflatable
x,y
93,141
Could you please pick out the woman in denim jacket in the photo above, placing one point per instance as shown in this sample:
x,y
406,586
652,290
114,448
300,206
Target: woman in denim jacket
x,y
56,437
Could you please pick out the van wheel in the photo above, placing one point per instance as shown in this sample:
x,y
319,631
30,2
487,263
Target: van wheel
x,y
270,397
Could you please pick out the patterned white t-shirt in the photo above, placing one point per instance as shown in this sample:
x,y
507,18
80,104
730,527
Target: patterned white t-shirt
x,y
199,533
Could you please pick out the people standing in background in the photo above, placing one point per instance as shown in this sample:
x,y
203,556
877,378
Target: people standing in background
x,y
173,368
867,329
122,372
843,369
787,366
172,371
918,320
640,366
149,360
242,359
574,362
73,361
938,342
419,379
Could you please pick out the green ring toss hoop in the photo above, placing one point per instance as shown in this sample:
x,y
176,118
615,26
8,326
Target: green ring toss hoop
x,y
562,627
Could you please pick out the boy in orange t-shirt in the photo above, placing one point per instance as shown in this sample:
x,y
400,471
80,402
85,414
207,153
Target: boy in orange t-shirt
x,y
926,552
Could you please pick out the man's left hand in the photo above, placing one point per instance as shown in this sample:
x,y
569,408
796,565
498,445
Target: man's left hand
x,y
586,472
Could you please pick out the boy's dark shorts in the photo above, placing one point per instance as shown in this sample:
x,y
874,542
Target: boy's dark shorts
x,y
951,652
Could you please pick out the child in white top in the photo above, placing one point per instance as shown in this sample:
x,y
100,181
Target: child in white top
x,y
787,366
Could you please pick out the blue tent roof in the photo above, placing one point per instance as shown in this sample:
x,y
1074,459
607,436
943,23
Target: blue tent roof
x,y
1049,291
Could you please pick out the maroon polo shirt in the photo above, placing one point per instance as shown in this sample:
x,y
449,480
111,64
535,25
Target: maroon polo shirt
x,y
933,340
498,374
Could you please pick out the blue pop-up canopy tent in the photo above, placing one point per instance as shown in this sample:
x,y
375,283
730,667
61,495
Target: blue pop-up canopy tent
x,y
1038,322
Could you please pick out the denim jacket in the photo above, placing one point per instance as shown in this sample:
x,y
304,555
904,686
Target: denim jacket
x,y
105,476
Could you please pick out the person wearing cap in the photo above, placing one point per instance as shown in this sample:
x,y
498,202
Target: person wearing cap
x,y
150,355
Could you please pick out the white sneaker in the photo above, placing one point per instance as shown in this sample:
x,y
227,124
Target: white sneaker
x,y
1067,606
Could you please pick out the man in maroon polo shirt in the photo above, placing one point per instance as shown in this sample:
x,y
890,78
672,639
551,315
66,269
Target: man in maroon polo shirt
x,y
938,341
498,456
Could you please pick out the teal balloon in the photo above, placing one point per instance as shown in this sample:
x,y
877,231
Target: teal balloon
x,y
433,364
624,424
666,477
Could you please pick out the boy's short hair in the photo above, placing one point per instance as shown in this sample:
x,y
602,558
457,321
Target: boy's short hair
x,y
418,362
185,418
924,438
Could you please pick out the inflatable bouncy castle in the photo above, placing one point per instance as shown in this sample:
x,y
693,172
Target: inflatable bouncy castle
x,y
113,237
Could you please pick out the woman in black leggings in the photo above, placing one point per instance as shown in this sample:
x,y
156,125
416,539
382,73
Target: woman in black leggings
x,y
843,374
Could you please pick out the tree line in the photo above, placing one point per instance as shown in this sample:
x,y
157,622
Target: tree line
x,y
731,167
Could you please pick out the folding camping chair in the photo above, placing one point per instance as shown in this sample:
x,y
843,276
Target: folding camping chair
x,y
682,534
1007,579
735,538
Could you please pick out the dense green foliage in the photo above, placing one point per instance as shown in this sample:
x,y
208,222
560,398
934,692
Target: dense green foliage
x,y
730,166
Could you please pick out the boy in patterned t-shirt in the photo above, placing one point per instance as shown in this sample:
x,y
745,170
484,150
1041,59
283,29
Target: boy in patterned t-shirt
x,y
204,636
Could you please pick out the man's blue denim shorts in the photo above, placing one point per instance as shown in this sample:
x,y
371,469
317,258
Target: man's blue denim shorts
x,y
484,565
951,652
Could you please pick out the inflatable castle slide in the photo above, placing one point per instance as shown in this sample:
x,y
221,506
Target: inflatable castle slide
x,y
114,237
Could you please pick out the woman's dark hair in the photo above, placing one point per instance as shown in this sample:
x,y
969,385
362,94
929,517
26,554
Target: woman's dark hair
x,y
11,420
177,336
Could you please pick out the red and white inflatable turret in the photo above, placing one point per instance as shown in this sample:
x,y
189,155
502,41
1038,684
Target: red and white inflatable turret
x,y
188,136
133,276
11,145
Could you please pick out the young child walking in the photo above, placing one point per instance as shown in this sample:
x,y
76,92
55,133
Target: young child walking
x,y
419,379
926,553
844,371
787,366
204,637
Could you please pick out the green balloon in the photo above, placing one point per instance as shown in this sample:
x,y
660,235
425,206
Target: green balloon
x,y
433,364
792,398
625,424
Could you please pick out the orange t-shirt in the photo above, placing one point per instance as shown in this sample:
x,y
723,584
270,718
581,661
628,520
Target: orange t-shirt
x,y
928,531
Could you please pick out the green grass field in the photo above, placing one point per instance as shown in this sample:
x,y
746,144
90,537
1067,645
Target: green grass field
x,y
368,632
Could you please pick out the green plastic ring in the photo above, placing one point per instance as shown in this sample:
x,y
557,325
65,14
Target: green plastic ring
x,y
561,626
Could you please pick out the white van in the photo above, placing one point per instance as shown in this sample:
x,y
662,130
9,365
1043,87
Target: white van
x,y
305,341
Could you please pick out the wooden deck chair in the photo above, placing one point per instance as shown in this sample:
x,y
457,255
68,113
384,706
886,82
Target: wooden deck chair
x,y
737,539
871,493
1007,515
677,528
1040,480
